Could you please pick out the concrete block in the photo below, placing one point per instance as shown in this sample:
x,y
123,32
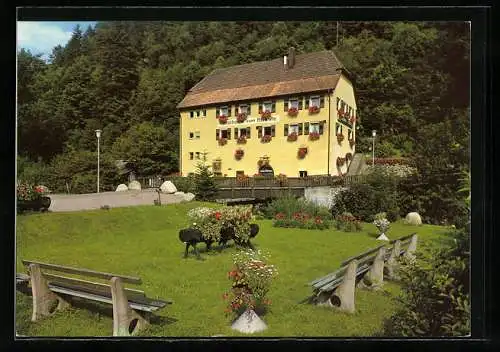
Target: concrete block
x,y
345,292
412,247
374,278
392,264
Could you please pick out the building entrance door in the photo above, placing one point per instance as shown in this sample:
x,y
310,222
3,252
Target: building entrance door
x,y
266,170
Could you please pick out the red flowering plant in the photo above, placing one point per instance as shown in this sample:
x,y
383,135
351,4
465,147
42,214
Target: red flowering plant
x,y
238,154
340,161
251,280
266,138
293,111
313,109
352,120
265,114
292,137
241,140
313,136
340,137
27,192
302,220
348,223
301,153
241,117
222,141
222,119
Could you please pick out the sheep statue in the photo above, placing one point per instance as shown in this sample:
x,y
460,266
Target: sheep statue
x,y
227,234
191,237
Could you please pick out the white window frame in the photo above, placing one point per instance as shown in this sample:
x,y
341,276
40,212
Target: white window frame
x,y
269,104
293,103
223,110
197,135
240,110
293,128
313,127
314,98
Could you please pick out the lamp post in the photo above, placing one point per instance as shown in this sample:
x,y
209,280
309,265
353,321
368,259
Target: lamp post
x,y
374,133
98,135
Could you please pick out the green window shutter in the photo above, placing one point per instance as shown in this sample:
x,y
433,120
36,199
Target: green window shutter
x,y
321,127
235,133
285,105
217,134
273,130
286,130
217,112
229,108
338,103
260,107
307,102
322,102
300,103
228,134
259,131
248,132
273,107
306,127
300,129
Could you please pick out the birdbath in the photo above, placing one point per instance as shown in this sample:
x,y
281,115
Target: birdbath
x,y
382,225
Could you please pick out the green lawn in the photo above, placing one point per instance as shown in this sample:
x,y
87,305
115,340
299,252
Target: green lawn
x,y
143,241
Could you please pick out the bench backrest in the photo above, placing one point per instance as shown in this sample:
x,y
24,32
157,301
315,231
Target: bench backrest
x,y
361,256
84,272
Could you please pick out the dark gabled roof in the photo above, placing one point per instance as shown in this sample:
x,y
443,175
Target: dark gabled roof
x,y
311,72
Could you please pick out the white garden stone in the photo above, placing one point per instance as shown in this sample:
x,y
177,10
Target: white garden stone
x,y
179,193
134,185
168,187
189,197
382,237
413,219
249,323
121,187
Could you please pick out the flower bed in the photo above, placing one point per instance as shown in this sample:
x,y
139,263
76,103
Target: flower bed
x,y
222,141
301,220
348,223
314,109
293,112
222,119
266,138
238,154
31,197
292,137
241,117
313,136
389,161
251,280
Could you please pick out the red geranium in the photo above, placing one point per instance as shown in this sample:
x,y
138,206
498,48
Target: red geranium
x,y
280,216
217,215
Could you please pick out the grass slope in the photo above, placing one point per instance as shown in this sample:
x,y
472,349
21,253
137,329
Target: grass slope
x,y
143,241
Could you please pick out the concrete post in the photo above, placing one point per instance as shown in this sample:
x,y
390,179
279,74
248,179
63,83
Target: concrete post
x,y
123,315
392,263
43,297
375,276
412,247
345,292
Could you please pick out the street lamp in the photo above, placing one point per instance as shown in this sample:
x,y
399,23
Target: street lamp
x,y
98,135
374,133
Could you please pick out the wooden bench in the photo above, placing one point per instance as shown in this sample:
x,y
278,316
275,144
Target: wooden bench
x,y
366,270
131,308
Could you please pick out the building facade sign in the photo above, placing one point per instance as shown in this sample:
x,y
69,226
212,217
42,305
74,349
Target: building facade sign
x,y
250,121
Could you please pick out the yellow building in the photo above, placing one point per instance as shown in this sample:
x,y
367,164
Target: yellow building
x,y
294,115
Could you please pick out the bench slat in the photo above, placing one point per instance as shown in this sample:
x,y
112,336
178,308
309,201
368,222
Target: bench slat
x,y
402,238
329,276
88,272
345,262
20,277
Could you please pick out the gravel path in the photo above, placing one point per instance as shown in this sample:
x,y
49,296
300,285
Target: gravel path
x,y
76,202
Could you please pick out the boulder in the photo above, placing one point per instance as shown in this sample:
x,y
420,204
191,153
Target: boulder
x,y
179,193
134,185
188,197
168,187
413,219
121,187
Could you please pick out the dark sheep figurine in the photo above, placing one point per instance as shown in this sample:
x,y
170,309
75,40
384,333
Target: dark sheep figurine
x,y
227,234
191,237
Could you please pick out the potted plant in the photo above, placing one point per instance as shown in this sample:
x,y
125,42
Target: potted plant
x,y
222,141
241,117
313,109
241,140
293,111
340,161
352,120
31,197
265,115
382,225
238,154
313,136
222,119
340,137
292,137
302,152
266,138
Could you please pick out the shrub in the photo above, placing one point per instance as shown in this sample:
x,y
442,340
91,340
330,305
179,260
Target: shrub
x,y
37,173
348,223
288,204
205,186
385,150
184,184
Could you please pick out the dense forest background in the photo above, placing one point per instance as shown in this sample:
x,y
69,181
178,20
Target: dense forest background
x,y
411,82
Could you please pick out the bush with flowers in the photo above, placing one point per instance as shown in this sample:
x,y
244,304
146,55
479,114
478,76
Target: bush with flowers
x,y
251,280
32,197
381,222
348,222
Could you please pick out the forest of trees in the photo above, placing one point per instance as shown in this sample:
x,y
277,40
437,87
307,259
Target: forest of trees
x,y
126,78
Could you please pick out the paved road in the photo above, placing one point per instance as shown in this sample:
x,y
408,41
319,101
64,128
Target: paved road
x,y
76,202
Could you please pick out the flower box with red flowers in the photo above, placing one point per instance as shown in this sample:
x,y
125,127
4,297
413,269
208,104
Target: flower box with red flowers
x,y
313,136
292,137
266,138
348,156
314,109
352,120
241,140
351,142
238,154
241,117
222,141
222,119
340,137
340,161
264,115
293,112
301,153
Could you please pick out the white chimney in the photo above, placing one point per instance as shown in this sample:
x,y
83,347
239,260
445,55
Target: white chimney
x,y
284,61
